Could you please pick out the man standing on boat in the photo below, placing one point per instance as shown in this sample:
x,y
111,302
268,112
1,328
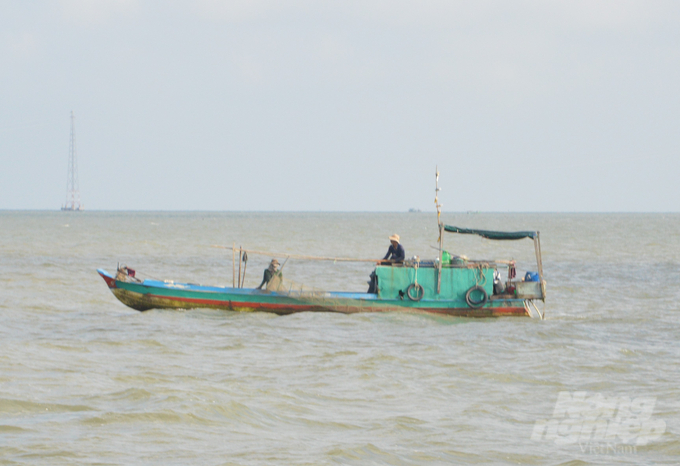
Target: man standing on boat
x,y
396,251
269,273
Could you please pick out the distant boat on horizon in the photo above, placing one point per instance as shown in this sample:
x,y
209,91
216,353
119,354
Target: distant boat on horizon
x,y
72,187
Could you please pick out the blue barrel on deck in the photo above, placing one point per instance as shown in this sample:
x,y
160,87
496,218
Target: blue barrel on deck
x,y
531,277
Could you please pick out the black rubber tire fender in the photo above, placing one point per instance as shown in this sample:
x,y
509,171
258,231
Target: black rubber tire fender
x,y
476,304
420,292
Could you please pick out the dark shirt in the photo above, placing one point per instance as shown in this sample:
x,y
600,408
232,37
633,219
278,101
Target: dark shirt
x,y
397,254
266,278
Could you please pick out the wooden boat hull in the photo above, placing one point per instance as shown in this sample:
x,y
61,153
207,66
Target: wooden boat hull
x,y
152,294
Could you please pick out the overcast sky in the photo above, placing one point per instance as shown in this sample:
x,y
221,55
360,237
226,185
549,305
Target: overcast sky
x,y
342,105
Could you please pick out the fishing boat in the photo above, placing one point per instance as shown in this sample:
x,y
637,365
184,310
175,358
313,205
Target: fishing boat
x,y
447,285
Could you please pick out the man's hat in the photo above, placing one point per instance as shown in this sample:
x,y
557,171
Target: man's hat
x,y
274,261
394,237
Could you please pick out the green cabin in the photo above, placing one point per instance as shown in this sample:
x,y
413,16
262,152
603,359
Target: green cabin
x,y
394,281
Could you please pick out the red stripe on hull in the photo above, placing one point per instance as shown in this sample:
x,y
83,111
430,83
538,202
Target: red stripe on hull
x,y
347,309
233,304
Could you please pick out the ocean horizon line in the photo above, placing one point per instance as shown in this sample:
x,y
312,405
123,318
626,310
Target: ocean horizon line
x,y
467,212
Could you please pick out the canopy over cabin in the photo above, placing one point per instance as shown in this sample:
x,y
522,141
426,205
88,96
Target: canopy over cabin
x,y
502,236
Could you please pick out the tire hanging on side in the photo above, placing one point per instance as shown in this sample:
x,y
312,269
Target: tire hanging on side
x,y
476,304
420,292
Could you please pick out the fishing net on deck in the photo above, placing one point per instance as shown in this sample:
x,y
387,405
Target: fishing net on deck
x,y
319,299
282,285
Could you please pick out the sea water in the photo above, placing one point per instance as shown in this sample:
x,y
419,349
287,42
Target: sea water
x,y
86,380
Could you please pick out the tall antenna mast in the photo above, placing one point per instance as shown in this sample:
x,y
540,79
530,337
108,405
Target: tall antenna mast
x,y
72,188
441,228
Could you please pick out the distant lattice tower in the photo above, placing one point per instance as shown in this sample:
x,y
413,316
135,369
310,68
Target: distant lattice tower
x,y
72,188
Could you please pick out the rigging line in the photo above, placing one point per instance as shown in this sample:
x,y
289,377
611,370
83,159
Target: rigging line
x,y
299,256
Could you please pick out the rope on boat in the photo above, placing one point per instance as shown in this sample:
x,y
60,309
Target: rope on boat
x,y
481,279
537,310
527,306
420,291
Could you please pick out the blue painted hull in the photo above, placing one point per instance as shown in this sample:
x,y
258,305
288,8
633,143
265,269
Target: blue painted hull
x,y
153,294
